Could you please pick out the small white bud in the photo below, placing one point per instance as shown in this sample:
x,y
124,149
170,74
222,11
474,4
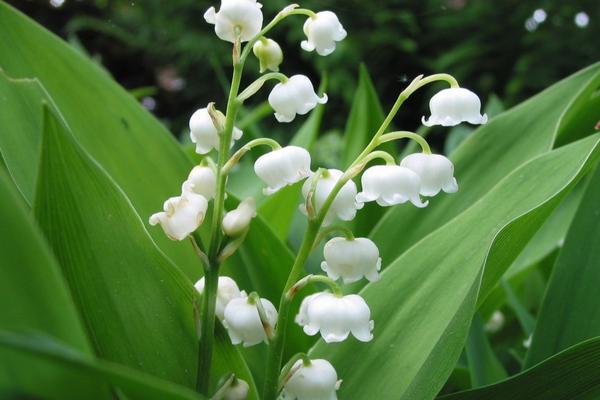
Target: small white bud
x,y
344,205
243,322
227,290
315,381
205,134
295,96
243,15
351,259
235,222
335,317
282,167
237,390
495,323
452,106
269,54
203,181
322,31
436,172
182,215
390,185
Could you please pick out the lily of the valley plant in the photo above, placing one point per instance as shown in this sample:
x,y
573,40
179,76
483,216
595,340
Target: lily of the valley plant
x,y
329,195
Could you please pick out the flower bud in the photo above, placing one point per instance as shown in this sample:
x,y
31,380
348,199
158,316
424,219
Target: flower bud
x,y
237,221
295,96
436,173
351,259
452,106
227,290
201,180
182,215
269,54
205,134
335,317
245,15
317,380
322,31
243,322
344,205
282,167
390,185
237,390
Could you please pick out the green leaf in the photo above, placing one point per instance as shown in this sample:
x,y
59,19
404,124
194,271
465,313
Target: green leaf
x,y
484,367
570,375
487,157
279,209
423,304
525,319
570,313
130,144
132,383
35,297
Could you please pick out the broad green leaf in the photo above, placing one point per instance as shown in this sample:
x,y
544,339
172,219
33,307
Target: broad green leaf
x,y
131,145
570,313
484,367
569,375
34,296
134,384
279,209
423,304
525,319
487,157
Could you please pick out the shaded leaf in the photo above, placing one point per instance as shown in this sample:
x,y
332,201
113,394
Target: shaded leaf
x,y
484,367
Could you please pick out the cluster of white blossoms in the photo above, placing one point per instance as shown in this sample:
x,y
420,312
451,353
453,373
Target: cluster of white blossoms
x,y
329,194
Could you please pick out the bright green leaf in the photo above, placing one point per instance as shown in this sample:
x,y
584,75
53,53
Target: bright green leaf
x,y
484,367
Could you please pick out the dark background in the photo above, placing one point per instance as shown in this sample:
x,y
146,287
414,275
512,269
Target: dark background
x,y
168,56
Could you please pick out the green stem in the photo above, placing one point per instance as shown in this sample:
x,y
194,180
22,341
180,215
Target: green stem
x,y
342,229
405,135
333,285
287,368
235,158
385,156
207,337
257,84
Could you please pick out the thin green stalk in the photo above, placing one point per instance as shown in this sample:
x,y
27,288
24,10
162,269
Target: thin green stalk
x,y
405,135
207,328
235,158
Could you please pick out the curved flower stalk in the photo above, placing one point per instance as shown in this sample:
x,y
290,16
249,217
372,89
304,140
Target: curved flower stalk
x,y
329,194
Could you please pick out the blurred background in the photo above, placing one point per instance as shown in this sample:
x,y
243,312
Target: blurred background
x,y
167,56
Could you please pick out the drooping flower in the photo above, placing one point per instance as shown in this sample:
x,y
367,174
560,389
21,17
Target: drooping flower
x,y
245,16
295,96
322,31
351,259
315,381
452,106
389,185
227,290
335,317
182,215
436,172
201,180
235,222
237,390
242,320
269,54
344,205
282,167
204,133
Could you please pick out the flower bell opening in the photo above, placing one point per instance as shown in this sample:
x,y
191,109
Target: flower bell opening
x,y
451,106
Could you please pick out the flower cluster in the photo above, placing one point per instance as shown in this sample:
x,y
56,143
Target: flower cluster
x,y
329,195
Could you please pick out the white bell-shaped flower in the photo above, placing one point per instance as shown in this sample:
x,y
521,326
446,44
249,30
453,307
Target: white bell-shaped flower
x,y
389,185
245,15
282,167
295,96
335,317
269,54
201,180
351,259
242,320
237,390
315,381
236,222
322,31
452,106
436,172
204,133
182,215
344,205
227,290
